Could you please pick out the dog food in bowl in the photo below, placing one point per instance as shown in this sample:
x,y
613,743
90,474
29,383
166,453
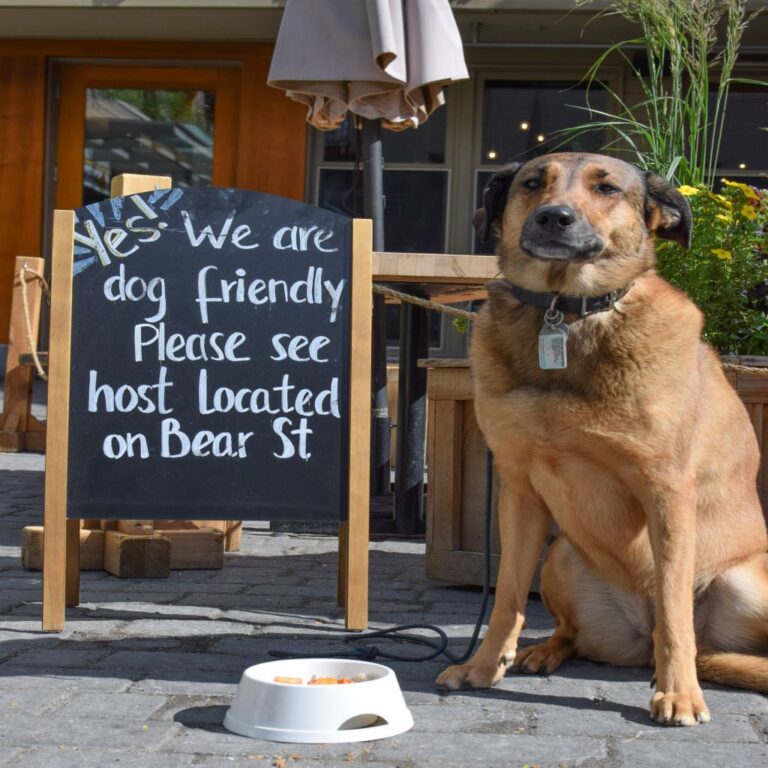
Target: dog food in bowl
x,y
315,680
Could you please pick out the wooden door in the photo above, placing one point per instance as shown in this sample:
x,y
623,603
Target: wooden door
x,y
176,121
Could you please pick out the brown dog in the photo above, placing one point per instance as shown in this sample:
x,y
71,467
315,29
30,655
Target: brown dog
x,y
638,448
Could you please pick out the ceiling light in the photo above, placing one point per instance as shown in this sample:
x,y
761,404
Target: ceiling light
x,y
524,126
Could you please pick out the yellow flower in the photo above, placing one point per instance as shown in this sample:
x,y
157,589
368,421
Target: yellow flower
x,y
687,190
727,218
745,188
722,254
720,199
749,212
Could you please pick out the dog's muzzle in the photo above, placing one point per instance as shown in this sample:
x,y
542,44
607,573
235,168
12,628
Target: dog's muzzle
x,y
558,232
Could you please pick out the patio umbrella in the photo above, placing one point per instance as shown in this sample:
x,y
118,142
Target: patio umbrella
x,y
383,60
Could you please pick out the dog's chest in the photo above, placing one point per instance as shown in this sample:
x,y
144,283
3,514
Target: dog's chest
x,y
568,433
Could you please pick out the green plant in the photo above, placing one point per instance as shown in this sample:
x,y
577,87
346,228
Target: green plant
x,y
726,270
677,127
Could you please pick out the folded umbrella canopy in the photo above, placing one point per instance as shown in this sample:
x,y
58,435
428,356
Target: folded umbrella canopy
x,y
380,59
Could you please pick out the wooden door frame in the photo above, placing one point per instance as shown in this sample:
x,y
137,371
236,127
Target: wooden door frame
x,y
74,78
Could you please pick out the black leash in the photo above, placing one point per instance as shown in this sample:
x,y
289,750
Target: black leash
x,y
439,646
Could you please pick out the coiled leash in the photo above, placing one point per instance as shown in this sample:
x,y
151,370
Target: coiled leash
x,y
439,645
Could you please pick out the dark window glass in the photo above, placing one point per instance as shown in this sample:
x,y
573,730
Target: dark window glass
x,y
425,144
744,147
415,203
155,132
520,120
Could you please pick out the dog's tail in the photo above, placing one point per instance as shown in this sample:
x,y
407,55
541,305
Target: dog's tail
x,y
737,670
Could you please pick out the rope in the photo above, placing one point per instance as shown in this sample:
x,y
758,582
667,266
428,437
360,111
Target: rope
x,y
753,370
32,345
426,303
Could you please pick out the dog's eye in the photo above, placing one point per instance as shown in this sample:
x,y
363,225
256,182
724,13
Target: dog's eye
x,y
607,189
532,183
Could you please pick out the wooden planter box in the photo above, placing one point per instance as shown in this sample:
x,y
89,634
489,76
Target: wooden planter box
x,y
456,456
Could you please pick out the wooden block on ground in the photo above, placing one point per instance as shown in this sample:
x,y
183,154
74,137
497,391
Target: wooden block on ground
x,y
232,529
194,548
144,527
137,557
91,549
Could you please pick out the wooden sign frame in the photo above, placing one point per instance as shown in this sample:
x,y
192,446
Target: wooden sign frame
x,y
61,544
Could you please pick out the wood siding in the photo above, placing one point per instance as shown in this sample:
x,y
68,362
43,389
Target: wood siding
x,y
22,128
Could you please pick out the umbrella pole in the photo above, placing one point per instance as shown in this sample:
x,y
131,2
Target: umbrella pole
x,y
373,206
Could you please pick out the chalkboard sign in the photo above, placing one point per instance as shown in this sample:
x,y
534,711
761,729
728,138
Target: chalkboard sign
x,y
210,358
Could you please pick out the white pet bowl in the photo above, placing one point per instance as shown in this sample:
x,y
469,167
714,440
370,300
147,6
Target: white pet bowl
x,y
318,714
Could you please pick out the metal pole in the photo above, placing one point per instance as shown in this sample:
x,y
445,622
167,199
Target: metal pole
x,y
411,420
373,207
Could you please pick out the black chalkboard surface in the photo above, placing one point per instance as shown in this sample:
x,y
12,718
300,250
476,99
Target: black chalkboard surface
x,y
209,370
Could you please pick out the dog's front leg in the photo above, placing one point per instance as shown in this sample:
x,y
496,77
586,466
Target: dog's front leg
x,y
523,522
672,527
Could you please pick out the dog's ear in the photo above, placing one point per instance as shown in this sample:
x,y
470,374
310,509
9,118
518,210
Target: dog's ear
x,y
494,200
667,212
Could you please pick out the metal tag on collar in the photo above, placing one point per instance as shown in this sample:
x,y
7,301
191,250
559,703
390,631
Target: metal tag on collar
x,y
553,338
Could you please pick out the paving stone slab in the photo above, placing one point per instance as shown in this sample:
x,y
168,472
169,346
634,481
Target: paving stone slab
x,y
55,658
32,701
760,724
61,729
98,757
721,701
98,707
205,683
671,754
173,665
633,723
48,683
11,757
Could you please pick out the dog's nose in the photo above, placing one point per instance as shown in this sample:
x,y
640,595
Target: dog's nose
x,y
555,217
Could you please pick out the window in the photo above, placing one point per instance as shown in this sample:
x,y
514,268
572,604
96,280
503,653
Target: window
x,y
744,146
157,132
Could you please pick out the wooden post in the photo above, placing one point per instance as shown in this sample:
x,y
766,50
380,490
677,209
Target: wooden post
x,y
136,183
58,579
355,531
17,420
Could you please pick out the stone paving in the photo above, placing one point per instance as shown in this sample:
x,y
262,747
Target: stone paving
x,y
145,670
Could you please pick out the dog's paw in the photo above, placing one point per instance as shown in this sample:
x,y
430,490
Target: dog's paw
x,y
469,675
543,658
679,708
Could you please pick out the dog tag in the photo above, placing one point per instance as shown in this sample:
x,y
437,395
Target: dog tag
x,y
553,339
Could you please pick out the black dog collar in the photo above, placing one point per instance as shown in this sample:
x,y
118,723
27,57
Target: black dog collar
x,y
576,305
